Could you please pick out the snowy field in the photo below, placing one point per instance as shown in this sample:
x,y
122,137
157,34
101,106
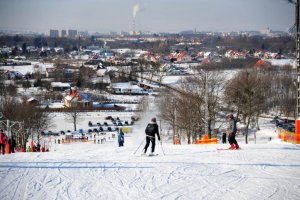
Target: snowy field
x,y
84,118
24,69
265,170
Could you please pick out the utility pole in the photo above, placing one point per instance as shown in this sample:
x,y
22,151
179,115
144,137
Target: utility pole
x,y
206,102
297,130
206,105
298,56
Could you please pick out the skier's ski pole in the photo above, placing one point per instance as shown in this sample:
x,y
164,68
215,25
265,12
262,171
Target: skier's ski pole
x,y
139,147
161,137
162,147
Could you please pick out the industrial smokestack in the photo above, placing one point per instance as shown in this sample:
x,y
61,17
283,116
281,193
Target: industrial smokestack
x,y
136,9
133,26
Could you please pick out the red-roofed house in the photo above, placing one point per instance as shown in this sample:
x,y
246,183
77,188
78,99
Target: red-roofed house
x,y
262,64
76,98
180,57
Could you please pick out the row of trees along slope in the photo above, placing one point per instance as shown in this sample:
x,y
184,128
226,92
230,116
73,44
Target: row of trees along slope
x,y
249,93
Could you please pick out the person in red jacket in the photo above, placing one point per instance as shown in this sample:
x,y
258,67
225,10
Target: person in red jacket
x,y
2,142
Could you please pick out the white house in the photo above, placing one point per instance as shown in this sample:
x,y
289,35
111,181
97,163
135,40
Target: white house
x,y
59,86
127,88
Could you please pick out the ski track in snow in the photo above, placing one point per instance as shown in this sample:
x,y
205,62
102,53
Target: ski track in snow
x,y
167,181
148,176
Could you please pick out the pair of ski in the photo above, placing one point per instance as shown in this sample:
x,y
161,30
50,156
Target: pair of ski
x,y
149,155
228,149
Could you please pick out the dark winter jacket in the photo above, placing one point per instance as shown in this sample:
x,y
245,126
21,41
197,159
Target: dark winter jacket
x,y
232,126
152,129
12,142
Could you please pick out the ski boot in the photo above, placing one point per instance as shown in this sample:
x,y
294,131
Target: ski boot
x,y
232,147
237,146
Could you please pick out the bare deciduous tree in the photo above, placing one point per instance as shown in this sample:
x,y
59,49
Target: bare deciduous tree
x,y
245,95
184,109
30,116
167,107
73,115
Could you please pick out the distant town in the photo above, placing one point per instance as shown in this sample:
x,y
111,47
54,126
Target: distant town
x,y
63,59
70,71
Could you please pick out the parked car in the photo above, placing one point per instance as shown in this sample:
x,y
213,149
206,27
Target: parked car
x,y
284,122
90,123
98,124
109,128
95,130
291,128
49,133
105,124
100,129
134,118
108,118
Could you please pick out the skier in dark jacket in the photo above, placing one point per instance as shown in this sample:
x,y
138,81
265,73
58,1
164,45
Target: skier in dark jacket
x,y
151,130
121,138
232,131
12,144
224,136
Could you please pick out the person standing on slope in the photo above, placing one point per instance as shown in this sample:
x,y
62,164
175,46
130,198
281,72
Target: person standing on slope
x,y
121,138
12,144
151,130
3,141
224,136
232,131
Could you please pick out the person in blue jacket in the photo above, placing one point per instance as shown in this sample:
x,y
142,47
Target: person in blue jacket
x,y
121,138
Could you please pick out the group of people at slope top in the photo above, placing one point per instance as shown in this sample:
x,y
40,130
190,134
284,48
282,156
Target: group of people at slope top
x,y
3,141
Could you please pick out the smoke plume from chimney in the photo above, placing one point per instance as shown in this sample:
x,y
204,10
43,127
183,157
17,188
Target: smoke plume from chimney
x,y
136,9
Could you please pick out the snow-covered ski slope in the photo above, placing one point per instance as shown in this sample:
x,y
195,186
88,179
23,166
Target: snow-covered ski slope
x,y
265,170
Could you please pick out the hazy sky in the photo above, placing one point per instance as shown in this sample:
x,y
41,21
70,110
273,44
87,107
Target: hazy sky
x,y
150,15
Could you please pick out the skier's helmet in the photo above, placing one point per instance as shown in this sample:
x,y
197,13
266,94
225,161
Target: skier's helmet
x,y
229,116
153,119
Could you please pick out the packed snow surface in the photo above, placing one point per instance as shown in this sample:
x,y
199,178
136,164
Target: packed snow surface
x,y
84,170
